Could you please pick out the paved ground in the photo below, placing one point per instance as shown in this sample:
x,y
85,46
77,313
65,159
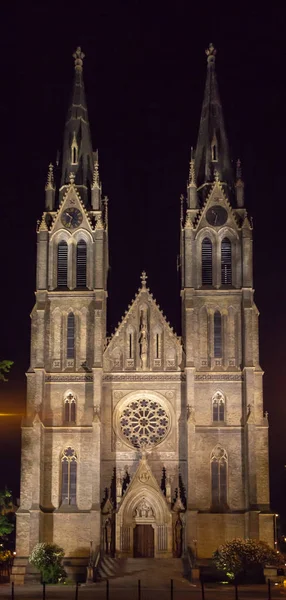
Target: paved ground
x,y
128,591
154,585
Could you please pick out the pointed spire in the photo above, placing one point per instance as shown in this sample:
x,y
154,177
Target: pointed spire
x,y
50,189
77,148
212,150
192,186
239,185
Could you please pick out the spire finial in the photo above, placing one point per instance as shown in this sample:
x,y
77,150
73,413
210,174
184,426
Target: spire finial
x,y
143,279
216,175
192,177
78,55
211,52
238,169
71,178
95,176
50,178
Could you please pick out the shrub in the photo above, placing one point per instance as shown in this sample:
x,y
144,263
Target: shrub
x,y
245,559
47,559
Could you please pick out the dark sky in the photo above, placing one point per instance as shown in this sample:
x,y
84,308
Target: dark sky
x,y
144,74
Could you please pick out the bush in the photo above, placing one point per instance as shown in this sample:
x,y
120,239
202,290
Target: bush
x,y
245,559
47,559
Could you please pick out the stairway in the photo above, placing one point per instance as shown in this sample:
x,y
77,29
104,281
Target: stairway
x,y
146,569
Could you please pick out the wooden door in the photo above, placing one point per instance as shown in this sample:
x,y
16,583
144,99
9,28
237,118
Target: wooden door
x,y
143,541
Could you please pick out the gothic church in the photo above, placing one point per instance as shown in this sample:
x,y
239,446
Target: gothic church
x,y
145,443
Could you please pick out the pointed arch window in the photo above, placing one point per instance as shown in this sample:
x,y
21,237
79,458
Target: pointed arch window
x,y
70,409
219,478
158,344
62,270
226,270
69,476
71,336
81,254
217,335
218,407
207,266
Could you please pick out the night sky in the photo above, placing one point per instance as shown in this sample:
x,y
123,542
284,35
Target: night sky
x,y
144,74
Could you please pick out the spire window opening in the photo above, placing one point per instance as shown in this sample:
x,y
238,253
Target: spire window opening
x,y
226,268
71,336
74,152
207,267
62,270
70,409
217,335
214,153
69,476
219,478
81,255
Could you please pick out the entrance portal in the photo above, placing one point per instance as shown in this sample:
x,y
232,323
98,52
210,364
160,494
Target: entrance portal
x,y
143,541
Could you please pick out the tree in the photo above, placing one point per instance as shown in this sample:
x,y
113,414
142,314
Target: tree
x,y
47,559
5,366
242,559
6,510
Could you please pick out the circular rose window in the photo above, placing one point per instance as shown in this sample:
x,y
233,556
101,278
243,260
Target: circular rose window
x,y
144,422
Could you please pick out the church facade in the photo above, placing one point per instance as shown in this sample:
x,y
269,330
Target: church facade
x,y
145,443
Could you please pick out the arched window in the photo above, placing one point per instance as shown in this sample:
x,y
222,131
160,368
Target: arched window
x,y
207,264
74,151
69,471
226,272
218,406
70,408
81,264
219,478
217,335
71,336
62,273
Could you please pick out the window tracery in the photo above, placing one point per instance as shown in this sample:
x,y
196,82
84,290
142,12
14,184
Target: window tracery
x,y
219,478
218,407
70,408
69,476
144,422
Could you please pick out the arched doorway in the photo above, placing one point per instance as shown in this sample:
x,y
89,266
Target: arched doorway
x,y
143,541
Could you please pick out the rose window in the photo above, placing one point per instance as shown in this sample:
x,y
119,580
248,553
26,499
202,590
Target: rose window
x,y
144,422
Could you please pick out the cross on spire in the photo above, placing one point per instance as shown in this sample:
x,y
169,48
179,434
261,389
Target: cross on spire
x,y
143,279
78,55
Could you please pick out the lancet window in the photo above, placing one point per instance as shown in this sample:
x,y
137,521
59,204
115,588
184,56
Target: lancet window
x,y
226,270
62,271
217,335
207,267
218,407
81,254
71,336
69,476
70,408
219,478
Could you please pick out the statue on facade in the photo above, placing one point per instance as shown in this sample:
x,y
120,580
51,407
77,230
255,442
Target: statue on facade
x,y
143,340
178,537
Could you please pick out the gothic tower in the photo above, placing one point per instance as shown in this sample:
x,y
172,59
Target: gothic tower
x,y
61,467
227,438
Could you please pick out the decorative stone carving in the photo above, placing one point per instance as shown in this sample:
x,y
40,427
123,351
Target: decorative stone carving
x,y
144,510
143,340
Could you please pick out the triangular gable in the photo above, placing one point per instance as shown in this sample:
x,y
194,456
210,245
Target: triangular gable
x,y
119,356
217,197
144,486
71,199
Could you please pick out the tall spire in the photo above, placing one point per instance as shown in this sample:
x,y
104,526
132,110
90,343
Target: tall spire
x,y
77,148
212,152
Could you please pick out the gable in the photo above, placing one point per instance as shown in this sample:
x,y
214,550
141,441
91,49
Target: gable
x,y
70,206
143,340
217,212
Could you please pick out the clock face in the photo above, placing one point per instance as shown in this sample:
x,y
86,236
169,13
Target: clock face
x,y
216,215
71,217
